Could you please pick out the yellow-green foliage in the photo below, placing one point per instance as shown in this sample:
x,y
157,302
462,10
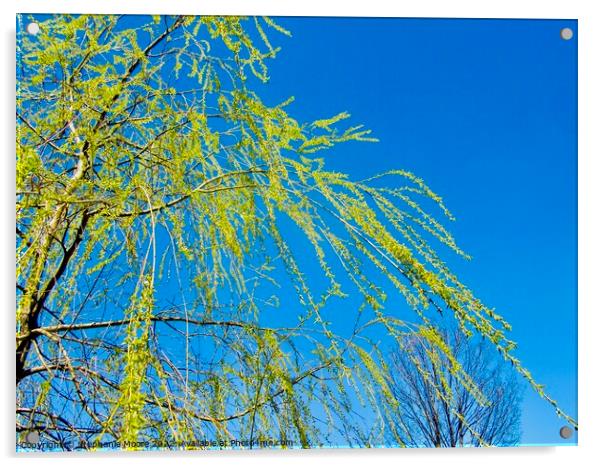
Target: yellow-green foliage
x,y
136,360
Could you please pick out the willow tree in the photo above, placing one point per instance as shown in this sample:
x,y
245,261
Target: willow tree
x,y
164,212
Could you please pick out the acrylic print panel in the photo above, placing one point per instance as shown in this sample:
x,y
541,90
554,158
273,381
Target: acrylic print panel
x,y
206,261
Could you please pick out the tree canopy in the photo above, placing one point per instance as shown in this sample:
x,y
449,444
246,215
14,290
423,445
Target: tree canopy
x,y
427,397
161,203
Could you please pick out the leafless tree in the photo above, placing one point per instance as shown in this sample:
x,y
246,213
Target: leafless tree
x,y
435,409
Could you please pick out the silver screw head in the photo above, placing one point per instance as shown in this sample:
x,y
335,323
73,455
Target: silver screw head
x,y
566,33
32,28
566,432
32,437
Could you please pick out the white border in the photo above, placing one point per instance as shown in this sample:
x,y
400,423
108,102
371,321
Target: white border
x,y
590,231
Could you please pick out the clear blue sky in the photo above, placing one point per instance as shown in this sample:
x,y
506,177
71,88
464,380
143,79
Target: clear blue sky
x,y
486,112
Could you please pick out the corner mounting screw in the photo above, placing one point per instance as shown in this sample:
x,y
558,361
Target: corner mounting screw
x,y
566,33
566,432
